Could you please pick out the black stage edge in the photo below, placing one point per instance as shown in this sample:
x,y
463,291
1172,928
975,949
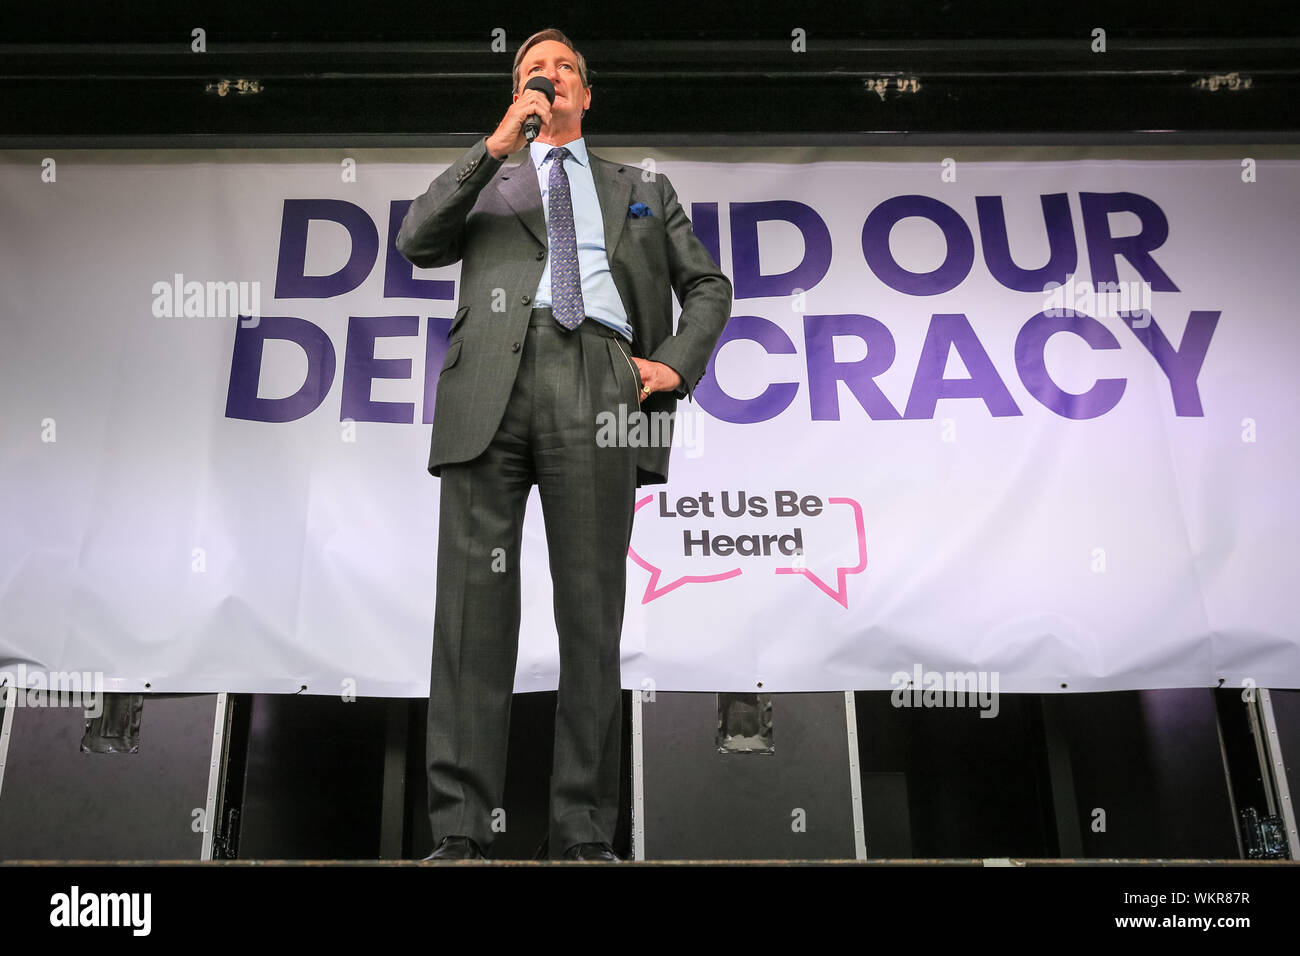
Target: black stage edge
x,y
412,74
905,900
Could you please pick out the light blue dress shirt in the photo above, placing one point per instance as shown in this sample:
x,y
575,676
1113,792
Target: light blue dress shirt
x,y
600,296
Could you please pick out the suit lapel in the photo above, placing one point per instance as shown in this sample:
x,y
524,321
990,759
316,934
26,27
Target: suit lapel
x,y
613,189
519,188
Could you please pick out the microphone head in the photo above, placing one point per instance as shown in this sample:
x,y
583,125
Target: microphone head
x,y
543,84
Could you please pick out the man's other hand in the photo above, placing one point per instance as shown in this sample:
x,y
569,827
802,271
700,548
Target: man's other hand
x,y
656,376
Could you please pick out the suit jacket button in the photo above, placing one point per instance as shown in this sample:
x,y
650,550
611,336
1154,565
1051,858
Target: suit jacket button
x,y
526,300
515,347
541,255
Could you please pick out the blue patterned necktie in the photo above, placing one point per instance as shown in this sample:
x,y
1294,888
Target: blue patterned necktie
x,y
566,280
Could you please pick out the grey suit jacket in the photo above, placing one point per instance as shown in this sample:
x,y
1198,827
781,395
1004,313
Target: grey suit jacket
x,y
490,218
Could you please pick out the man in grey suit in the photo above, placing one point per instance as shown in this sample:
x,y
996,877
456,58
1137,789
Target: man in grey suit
x,y
564,323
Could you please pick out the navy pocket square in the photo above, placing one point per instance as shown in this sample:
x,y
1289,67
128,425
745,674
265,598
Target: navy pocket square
x,y
639,210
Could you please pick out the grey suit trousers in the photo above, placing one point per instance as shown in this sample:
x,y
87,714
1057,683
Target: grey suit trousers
x,y
547,436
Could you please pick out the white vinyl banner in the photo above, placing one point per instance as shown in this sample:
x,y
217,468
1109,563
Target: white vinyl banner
x,y
1033,419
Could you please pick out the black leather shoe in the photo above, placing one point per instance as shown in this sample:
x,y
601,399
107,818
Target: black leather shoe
x,y
591,851
456,848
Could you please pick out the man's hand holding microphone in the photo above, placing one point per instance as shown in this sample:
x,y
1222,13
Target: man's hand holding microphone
x,y
530,112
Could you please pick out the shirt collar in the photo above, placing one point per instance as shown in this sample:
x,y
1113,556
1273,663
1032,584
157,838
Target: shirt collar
x,y
577,150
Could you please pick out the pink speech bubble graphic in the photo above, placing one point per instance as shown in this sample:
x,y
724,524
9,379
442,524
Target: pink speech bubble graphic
x,y
652,589
840,592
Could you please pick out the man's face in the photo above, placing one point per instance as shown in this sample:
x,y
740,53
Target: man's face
x,y
556,62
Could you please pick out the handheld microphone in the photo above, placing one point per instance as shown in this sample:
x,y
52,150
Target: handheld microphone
x,y
533,125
